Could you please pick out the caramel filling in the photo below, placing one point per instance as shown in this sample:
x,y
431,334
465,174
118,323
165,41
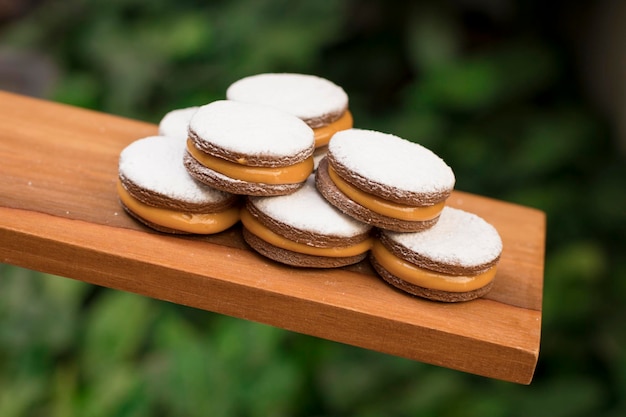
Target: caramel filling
x,y
291,174
262,232
198,223
324,133
429,279
385,207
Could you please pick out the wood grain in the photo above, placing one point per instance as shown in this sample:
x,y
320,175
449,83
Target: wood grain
x,y
59,213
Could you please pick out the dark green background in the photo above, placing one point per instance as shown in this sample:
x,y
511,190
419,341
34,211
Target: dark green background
x,y
521,98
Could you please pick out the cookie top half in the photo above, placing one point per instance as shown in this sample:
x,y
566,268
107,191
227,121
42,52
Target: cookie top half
x,y
313,99
390,167
459,243
251,134
152,170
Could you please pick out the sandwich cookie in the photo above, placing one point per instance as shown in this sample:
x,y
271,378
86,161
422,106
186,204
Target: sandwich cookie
x,y
175,123
322,104
155,188
384,180
249,149
302,229
455,260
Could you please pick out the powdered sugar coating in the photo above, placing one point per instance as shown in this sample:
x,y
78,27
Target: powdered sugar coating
x,y
306,96
392,161
251,129
175,123
307,210
459,238
155,163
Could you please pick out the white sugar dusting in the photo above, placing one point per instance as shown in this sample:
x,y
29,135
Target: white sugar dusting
x,y
307,210
175,124
251,129
458,238
390,160
155,163
306,96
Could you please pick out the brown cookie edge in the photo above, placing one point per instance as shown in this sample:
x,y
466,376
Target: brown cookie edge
x,y
302,236
221,182
428,293
415,258
385,191
337,198
159,200
257,160
291,258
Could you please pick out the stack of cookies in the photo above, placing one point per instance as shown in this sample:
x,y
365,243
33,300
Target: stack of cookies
x,y
280,154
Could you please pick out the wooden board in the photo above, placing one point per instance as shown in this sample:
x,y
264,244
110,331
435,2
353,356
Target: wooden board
x,y
59,213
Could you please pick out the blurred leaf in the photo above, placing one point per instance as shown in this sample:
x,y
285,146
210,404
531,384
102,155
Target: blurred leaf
x,y
551,141
273,389
470,85
578,262
186,376
608,194
118,391
478,83
127,58
268,376
118,325
554,196
254,342
564,396
434,39
68,292
493,407
273,35
37,310
178,36
348,386
572,273
21,395
424,126
79,89
63,391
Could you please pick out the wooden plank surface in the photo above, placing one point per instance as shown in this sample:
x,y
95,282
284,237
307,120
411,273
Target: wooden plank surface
x,y
59,213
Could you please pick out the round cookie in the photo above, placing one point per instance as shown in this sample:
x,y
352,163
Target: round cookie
x,y
302,229
384,180
155,188
322,104
249,149
175,123
455,260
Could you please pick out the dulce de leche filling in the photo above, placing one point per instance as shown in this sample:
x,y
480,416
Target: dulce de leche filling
x,y
324,133
198,223
291,174
262,232
382,206
429,279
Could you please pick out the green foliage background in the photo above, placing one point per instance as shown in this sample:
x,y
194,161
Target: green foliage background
x,y
497,95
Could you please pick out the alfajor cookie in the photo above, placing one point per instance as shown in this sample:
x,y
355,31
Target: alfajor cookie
x,y
384,180
302,229
322,104
249,149
175,123
154,187
455,260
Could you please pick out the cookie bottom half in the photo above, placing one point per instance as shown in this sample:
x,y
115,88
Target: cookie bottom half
x,y
295,258
428,293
